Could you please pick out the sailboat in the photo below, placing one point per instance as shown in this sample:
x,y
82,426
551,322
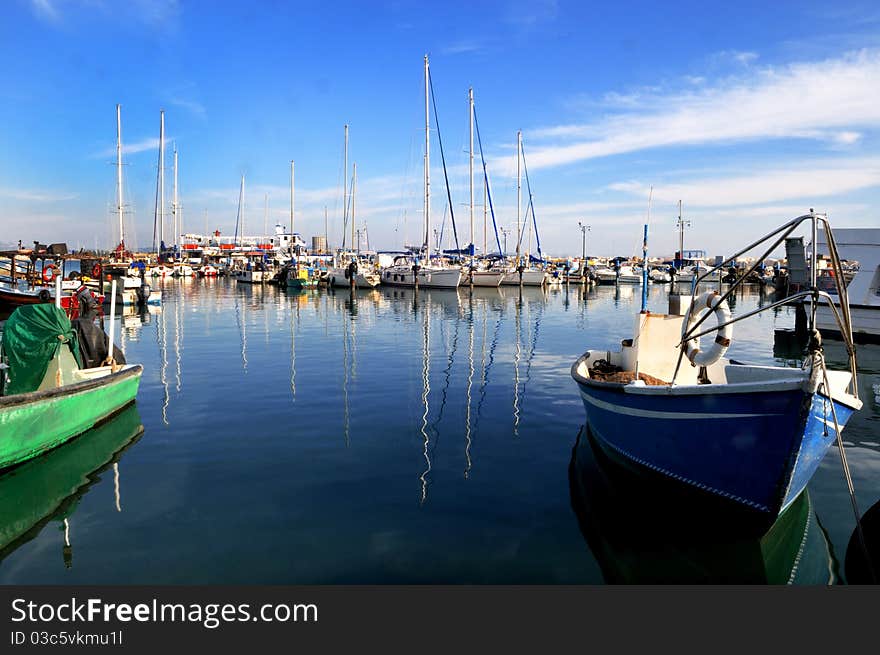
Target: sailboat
x,y
348,269
249,268
130,289
180,268
476,276
522,273
411,271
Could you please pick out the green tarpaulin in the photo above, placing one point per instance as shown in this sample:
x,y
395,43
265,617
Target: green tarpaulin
x,y
31,338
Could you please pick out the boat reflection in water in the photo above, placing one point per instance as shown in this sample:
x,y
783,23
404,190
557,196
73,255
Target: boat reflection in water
x,y
644,534
49,487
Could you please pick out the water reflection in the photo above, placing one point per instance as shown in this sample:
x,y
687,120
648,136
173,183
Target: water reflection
x,y
50,487
643,533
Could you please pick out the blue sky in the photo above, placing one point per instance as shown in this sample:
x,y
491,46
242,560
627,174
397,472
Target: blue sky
x,y
750,113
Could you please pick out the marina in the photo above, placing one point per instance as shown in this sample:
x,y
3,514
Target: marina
x,y
493,295
443,450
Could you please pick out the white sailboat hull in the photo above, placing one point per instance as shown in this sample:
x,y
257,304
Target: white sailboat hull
x,y
337,278
482,278
530,278
428,277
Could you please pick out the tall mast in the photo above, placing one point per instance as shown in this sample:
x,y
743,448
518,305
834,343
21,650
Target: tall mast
x,y
161,176
119,209
354,181
353,178
174,209
427,163
291,196
159,215
485,216
345,184
239,222
266,216
326,231
471,163
518,191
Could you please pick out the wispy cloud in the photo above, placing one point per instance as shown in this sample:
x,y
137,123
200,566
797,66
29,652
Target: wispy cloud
x,y
530,13
192,106
46,10
737,57
827,100
808,181
159,14
133,148
462,47
35,195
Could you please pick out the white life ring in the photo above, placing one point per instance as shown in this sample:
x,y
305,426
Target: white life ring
x,y
692,351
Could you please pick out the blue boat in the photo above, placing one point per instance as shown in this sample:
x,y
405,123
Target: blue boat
x,y
752,436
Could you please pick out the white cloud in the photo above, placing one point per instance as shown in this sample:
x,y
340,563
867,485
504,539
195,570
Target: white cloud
x,y
827,100
45,9
462,47
196,108
35,195
806,182
143,145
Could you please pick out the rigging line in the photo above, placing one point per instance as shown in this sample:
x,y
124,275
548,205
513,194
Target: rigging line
x,y
531,202
488,186
442,227
443,159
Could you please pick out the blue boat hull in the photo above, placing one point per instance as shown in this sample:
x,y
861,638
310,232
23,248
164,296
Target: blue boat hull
x,y
758,450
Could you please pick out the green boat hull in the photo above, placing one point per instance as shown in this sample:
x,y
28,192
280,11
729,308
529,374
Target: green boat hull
x,y
33,423
51,486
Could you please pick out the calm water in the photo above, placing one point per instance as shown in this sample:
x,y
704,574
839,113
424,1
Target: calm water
x,y
325,438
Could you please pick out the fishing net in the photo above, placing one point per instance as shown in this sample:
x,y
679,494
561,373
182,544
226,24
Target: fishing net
x,y
31,338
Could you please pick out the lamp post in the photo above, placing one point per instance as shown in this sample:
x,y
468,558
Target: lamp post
x,y
584,229
681,224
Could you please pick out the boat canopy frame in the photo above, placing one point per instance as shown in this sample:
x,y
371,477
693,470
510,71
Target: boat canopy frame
x,y
813,292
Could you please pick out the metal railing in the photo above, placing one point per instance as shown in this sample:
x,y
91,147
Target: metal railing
x,y
778,236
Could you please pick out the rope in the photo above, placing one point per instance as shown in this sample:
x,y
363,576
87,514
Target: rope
x,y
443,159
846,472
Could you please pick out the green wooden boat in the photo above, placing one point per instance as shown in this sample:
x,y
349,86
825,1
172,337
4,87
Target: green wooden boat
x,y
50,487
47,397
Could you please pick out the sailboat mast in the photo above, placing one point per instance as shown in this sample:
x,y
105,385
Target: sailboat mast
x,y
518,191
427,163
239,222
353,177
266,216
485,216
174,208
471,163
161,176
291,196
119,209
345,184
159,214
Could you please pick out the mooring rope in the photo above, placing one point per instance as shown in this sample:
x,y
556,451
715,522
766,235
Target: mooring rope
x,y
846,472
